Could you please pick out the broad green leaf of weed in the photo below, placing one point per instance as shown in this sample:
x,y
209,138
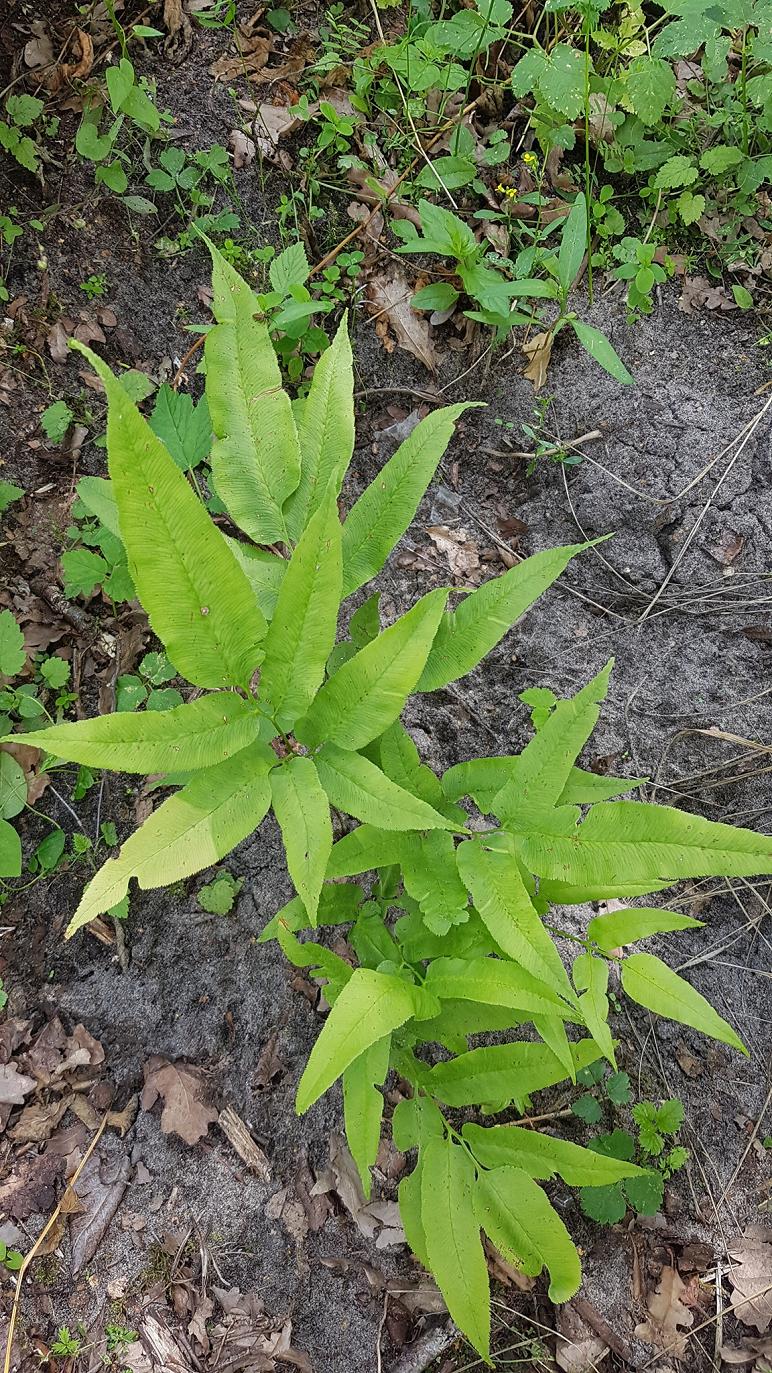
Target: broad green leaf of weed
x,y
606,1205
653,985
190,737
517,1216
363,1106
192,830
196,596
12,652
451,1229
650,85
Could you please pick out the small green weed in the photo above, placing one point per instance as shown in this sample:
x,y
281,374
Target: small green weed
x,y
96,286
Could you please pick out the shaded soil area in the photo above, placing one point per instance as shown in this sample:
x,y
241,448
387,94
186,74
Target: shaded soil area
x,y
680,473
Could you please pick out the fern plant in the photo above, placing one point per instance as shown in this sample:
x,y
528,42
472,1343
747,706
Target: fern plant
x,y
448,932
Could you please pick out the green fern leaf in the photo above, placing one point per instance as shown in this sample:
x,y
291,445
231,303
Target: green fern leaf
x,y
191,830
369,1007
500,895
642,842
467,634
197,598
183,739
544,767
325,432
495,983
544,1156
302,631
653,984
452,1234
358,787
385,509
504,1072
363,1106
591,977
303,812
256,455
517,1216
369,691
618,928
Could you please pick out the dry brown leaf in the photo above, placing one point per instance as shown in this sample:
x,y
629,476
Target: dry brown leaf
x,y
505,1272
698,293
727,547
580,1350
668,1316
389,295
249,61
37,1122
755,1351
372,224
271,124
39,50
31,1186
14,1086
243,148
538,350
372,1218
65,72
181,1086
28,759
458,547
270,1067
688,1062
56,340
602,127
197,1325
751,1277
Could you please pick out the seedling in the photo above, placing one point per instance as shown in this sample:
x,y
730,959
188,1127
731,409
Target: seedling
x,y
66,1345
482,277
447,926
608,1204
95,286
10,1259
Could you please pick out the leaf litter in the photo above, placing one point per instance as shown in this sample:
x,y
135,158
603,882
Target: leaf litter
x,y
750,1276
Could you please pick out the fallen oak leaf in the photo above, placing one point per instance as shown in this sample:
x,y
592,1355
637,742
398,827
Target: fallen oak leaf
x,y
181,1086
14,1086
389,296
751,1277
250,60
755,1351
242,148
538,350
461,551
667,1315
272,122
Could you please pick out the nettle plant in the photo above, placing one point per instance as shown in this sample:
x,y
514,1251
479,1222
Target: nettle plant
x,y
448,933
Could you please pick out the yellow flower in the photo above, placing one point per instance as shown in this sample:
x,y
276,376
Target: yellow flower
x,y
530,160
508,191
